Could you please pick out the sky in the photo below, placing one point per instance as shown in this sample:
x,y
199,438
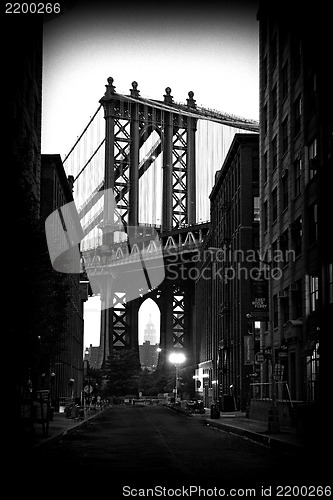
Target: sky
x,y
210,48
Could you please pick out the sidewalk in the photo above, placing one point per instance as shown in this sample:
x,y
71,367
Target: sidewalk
x,y
59,426
237,423
288,439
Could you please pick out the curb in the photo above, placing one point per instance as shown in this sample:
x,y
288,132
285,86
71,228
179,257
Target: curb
x,y
60,435
238,431
263,439
179,409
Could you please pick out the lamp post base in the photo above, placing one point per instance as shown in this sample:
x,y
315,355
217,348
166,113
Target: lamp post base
x,y
273,420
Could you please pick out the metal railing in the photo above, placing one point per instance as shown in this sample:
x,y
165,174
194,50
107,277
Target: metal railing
x,y
262,391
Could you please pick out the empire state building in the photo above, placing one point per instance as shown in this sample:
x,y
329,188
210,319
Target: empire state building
x,y
148,350
150,332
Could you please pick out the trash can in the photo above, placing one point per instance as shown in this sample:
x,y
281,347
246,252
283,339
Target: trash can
x,y
201,407
214,411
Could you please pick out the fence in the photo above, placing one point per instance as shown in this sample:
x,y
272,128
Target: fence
x,y
262,391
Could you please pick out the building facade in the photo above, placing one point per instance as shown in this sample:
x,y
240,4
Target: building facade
x,y
295,175
225,342
22,162
65,372
91,355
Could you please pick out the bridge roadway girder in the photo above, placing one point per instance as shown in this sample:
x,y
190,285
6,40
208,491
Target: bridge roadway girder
x,y
121,279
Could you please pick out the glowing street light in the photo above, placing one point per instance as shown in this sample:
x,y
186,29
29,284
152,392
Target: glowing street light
x,y
177,358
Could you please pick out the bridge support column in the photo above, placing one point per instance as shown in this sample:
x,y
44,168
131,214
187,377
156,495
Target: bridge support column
x,y
133,215
191,173
109,177
166,328
105,344
133,337
167,173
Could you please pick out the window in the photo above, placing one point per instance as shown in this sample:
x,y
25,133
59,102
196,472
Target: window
x,y
285,137
255,237
285,191
255,165
297,232
274,51
27,90
265,216
283,34
297,54
297,115
314,292
265,121
313,362
35,160
284,246
313,223
256,208
274,101
297,300
275,311
264,167
297,176
311,91
264,72
274,205
36,112
285,81
274,153
330,282
284,304
276,258
313,160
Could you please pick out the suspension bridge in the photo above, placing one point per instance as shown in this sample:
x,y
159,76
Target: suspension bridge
x,y
143,170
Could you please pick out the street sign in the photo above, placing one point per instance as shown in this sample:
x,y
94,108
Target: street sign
x,y
88,388
248,351
259,290
259,357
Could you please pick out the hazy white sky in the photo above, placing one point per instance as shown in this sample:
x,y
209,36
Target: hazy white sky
x,y
210,48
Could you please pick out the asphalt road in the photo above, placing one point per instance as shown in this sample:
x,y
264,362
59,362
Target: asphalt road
x,y
128,448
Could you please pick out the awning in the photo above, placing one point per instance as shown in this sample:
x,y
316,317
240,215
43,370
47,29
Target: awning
x,y
206,365
292,328
310,344
309,347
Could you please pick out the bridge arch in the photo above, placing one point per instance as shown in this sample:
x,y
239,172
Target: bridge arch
x,y
149,331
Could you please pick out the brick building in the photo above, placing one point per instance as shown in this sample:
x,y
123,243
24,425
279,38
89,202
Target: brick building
x,y
223,290
66,362
295,180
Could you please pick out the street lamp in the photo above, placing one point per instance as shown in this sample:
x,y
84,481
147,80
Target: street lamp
x,y
177,358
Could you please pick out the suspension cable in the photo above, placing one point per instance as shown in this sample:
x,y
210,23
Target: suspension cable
x,y
80,137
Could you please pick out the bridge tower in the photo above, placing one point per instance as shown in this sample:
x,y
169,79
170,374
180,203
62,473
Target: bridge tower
x,y
130,121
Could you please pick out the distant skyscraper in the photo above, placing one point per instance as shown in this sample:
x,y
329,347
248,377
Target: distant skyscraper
x,y
148,350
150,332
